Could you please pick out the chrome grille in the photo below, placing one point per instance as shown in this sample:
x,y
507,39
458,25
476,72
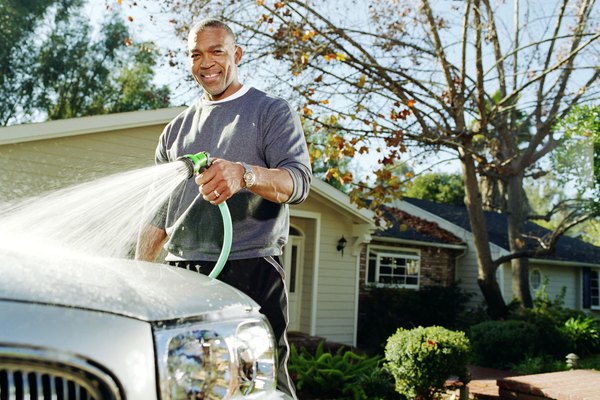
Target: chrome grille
x,y
28,385
24,377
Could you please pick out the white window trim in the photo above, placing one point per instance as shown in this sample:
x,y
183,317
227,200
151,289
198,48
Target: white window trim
x,y
592,305
389,251
541,283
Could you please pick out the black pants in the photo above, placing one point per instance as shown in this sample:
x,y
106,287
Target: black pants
x,y
263,279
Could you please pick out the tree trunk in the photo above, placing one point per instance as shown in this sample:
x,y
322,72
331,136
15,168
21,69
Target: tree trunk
x,y
493,192
490,289
486,279
517,217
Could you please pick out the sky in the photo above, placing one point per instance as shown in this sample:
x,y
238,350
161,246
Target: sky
x,y
143,29
183,92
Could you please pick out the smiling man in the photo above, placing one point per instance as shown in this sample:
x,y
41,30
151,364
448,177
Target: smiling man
x,y
215,57
260,166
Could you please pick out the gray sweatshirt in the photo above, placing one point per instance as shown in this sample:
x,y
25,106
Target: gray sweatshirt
x,y
256,128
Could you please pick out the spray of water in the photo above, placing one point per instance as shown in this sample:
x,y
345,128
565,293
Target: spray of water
x,y
98,218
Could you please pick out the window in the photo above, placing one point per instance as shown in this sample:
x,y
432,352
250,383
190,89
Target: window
x,y
535,279
393,268
594,290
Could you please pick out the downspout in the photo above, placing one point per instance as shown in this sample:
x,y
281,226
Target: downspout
x,y
361,235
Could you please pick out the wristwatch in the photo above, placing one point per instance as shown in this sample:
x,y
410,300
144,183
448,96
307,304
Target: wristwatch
x,y
249,176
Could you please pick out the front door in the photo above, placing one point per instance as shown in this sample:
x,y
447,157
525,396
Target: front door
x,y
293,264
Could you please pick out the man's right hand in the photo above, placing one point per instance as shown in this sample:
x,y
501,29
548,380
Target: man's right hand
x,y
149,243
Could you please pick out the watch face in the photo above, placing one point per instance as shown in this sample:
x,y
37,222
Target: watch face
x,y
249,178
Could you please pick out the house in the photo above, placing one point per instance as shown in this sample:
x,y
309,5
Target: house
x,y
322,280
334,251
572,267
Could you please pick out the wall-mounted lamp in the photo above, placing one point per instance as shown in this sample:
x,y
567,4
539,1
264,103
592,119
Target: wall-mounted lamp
x,y
342,244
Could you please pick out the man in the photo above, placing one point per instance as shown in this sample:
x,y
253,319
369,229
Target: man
x,y
260,166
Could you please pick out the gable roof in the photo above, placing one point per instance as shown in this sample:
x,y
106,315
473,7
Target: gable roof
x,y
567,248
341,200
84,125
408,227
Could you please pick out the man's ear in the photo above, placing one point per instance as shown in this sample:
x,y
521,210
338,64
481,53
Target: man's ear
x,y
238,54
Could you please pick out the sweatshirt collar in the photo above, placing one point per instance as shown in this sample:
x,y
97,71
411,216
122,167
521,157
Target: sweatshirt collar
x,y
243,90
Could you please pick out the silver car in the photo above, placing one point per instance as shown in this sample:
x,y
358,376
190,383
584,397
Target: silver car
x,y
96,328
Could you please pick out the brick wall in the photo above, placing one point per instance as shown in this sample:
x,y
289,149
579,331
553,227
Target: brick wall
x,y
437,265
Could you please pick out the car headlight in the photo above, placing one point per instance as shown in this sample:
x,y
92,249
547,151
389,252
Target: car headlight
x,y
216,360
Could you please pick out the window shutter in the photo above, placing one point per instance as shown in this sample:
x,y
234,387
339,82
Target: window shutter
x,y
586,292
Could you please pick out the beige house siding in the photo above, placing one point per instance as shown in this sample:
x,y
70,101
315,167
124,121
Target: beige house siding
x,y
505,271
308,227
336,295
47,160
559,277
467,271
50,164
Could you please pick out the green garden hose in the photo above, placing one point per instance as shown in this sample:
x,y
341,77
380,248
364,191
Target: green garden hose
x,y
194,163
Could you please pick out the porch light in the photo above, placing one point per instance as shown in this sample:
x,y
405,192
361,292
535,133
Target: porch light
x,y
342,244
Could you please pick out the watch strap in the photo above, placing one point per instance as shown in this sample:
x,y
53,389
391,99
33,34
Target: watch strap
x,y
249,176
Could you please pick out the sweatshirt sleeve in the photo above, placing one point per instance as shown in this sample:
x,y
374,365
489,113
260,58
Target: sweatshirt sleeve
x,y
285,147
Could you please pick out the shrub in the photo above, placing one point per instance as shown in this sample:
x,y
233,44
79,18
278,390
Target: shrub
x,y
500,344
590,362
384,310
342,375
538,365
421,359
378,384
581,334
549,316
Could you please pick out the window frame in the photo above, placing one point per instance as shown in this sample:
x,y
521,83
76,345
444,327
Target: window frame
x,y
541,277
594,298
379,252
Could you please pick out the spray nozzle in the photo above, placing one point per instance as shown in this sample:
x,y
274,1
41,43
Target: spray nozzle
x,y
195,162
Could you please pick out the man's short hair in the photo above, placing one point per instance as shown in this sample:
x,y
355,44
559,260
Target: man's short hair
x,y
211,23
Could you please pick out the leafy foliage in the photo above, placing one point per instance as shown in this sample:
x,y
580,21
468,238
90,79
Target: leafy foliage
x,y
18,21
580,148
582,334
327,164
538,365
343,375
438,187
500,344
549,316
64,73
571,188
421,359
384,310
409,79
83,77
576,167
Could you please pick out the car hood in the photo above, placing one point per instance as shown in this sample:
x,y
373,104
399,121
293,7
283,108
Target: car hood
x,y
146,291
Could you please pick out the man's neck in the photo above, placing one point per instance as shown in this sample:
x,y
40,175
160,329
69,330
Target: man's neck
x,y
237,94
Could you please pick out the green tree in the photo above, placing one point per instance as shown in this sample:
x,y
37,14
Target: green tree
x,y
438,187
577,160
328,164
403,74
133,88
575,165
78,76
63,72
18,21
